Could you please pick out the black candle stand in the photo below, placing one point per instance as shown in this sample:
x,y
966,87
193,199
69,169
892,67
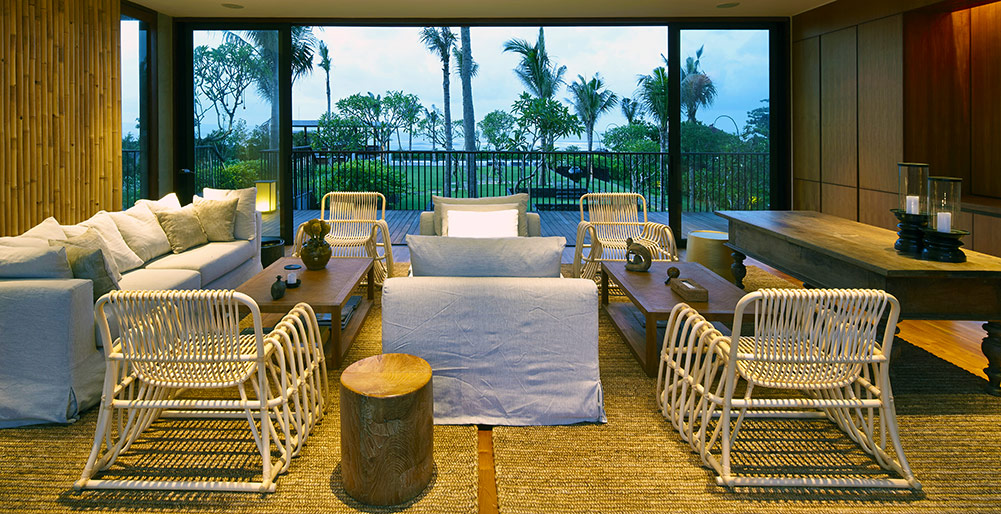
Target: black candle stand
x,y
910,237
943,246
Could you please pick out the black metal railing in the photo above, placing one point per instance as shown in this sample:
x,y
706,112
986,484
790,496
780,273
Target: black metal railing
x,y
133,176
554,180
209,165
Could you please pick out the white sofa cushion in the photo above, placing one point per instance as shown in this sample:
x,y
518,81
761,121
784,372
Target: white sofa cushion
x,y
124,257
22,241
245,226
482,221
167,203
155,279
433,256
212,260
521,199
34,262
142,232
48,229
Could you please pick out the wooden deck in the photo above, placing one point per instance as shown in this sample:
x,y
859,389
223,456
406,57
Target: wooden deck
x,y
554,223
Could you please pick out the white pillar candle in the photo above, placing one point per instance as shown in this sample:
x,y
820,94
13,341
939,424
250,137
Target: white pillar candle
x,y
912,204
291,278
943,221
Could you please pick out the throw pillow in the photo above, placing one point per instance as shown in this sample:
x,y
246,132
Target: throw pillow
x,y
88,263
490,257
448,208
167,203
48,229
182,228
23,242
33,262
461,223
142,232
124,257
521,199
246,209
91,240
217,218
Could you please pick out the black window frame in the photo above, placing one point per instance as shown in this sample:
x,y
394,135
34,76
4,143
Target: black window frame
x,y
149,107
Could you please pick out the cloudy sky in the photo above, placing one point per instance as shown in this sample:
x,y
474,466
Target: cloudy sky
x,y
380,59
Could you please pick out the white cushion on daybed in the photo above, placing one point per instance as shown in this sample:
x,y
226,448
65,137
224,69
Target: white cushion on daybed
x,y
154,279
211,260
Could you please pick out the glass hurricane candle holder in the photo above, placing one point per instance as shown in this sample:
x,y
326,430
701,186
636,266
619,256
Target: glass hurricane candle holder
x,y
941,239
913,207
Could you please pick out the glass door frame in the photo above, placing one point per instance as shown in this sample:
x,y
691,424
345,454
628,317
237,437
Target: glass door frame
x,y
149,107
184,130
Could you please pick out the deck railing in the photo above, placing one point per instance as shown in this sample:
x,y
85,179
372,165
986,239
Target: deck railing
x,y
554,180
132,176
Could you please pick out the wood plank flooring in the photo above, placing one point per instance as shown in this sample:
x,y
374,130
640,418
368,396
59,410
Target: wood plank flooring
x,y
554,223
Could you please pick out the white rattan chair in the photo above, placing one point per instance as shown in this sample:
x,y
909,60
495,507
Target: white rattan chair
x,y
820,342
172,341
355,222
613,218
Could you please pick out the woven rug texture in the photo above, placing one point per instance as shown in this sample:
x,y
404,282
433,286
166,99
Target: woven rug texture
x,y
637,462
41,463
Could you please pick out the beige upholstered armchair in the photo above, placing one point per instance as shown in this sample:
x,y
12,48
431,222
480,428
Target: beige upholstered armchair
x,y
613,218
355,222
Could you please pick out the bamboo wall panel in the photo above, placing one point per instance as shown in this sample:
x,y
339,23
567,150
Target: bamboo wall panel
x,y
806,109
60,110
880,103
985,96
839,108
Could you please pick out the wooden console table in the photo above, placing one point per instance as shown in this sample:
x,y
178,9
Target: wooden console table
x,y
827,251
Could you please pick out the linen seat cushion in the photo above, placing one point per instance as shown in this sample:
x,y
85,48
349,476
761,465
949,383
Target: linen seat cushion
x,y
211,261
145,279
485,257
520,199
142,232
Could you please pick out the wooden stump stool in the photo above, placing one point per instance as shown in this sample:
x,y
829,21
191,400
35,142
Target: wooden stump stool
x,y
386,428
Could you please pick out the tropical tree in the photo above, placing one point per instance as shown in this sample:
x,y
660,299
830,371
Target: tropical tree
x,y
590,100
368,110
632,109
469,121
325,66
440,41
540,75
405,111
224,74
431,126
757,128
497,127
697,89
653,93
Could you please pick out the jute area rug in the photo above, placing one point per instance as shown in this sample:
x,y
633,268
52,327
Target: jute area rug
x,y
40,464
637,462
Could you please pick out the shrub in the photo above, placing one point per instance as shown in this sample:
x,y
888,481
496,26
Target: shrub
x,y
238,175
362,175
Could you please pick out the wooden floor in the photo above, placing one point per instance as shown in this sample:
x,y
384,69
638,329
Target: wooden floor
x,y
554,223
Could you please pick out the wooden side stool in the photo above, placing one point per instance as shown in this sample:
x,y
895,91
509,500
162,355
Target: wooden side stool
x,y
386,428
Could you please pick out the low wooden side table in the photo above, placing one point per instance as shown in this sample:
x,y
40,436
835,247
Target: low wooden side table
x,y
386,428
326,291
654,300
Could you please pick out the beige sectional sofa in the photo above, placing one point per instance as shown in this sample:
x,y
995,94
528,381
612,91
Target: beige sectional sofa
x,y
53,366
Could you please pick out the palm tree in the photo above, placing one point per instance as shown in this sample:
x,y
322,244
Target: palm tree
x,y
540,75
440,41
653,93
590,99
325,65
697,89
632,110
466,73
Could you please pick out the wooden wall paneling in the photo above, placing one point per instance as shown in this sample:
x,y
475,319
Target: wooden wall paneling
x,y
874,208
805,195
937,92
839,108
61,120
839,201
987,234
844,13
985,97
806,109
880,102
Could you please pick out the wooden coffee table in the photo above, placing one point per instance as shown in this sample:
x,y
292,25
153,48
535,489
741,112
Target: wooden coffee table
x,y
654,300
326,290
